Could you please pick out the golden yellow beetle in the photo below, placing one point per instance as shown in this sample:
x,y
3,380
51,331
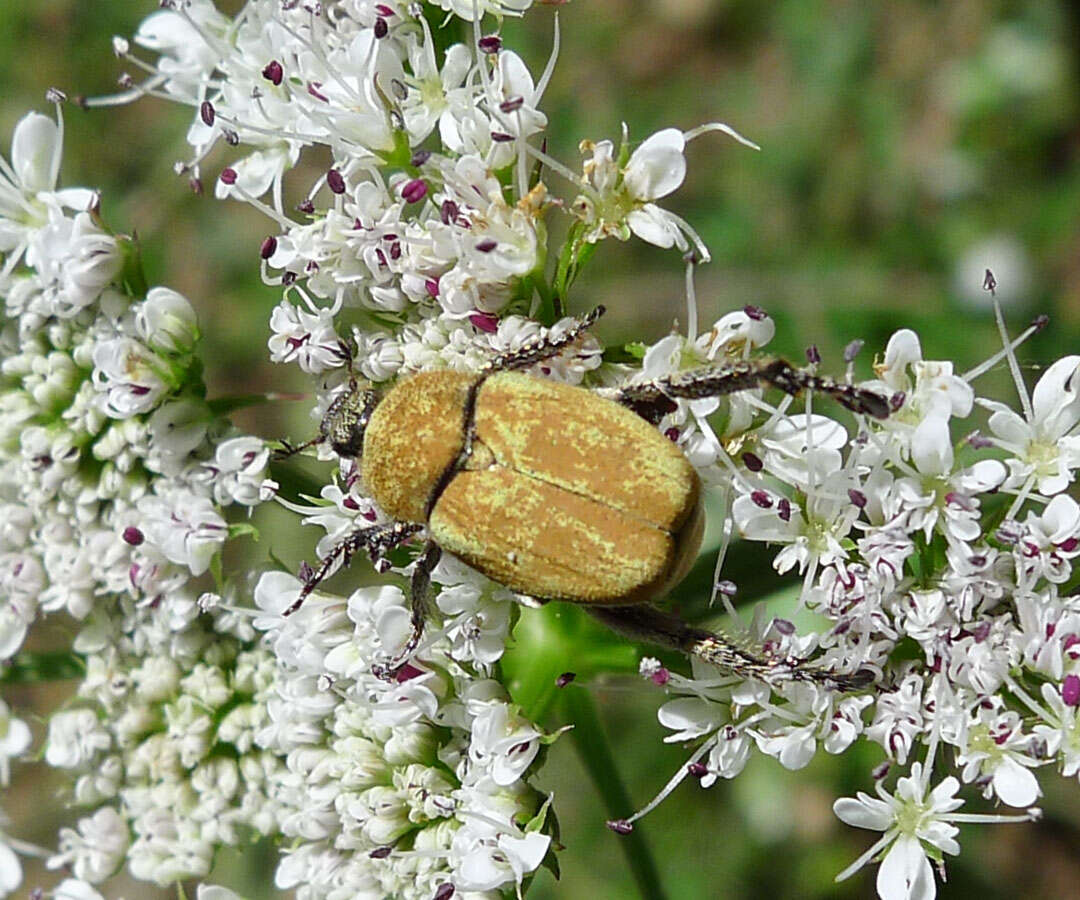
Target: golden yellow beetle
x,y
557,492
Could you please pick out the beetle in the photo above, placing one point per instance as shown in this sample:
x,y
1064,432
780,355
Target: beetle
x,y
555,491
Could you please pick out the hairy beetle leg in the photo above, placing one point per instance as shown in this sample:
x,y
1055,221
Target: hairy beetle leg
x,y
420,591
647,623
652,400
377,540
540,348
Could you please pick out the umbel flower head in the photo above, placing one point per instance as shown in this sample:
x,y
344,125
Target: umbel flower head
x,y
206,717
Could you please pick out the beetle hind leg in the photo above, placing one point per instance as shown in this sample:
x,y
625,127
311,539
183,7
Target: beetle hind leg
x,y
652,400
647,623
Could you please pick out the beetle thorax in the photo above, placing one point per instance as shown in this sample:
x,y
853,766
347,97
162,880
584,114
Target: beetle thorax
x,y
413,439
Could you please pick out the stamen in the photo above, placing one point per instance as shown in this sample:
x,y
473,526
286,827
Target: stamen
x,y
553,57
688,136
1034,328
1014,366
676,780
566,173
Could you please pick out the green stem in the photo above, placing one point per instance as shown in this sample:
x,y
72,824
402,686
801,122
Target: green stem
x,y
550,304
223,406
28,668
592,746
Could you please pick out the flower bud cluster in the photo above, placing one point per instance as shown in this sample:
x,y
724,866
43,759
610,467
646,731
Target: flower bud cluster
x,y
163,746
114,477
400,788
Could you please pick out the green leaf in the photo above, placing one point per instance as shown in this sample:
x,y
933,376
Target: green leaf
x,y
242,529
131,270
536,823
553,640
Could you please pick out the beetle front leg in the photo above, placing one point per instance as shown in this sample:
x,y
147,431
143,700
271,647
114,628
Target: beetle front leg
x,y
647,623
538,349
652,400
420,592
377,540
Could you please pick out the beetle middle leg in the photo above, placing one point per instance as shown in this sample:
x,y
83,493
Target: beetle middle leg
x,y
420,591
377,540
652,400
647,623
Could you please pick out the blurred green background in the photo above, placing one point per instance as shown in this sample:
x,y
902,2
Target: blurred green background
x,y
907,146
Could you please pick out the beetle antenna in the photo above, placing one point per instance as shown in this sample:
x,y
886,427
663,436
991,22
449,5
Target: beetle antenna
x,y
287,449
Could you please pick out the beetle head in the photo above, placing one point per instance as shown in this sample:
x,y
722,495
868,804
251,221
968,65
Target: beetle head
x,y
347,417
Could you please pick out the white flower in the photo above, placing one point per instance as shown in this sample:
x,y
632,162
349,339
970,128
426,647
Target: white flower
x,y
1043,449
993,746
97,849
502,739
910,819
941,498
75,737
15,739
237,471
433,93
130,376
166,321
898,718
1061,726
74,259
735,333
308,340
27,185
185,527
918,826
654,170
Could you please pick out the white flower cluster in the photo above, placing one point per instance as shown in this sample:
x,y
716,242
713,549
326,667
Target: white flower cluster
x,y
114,472
942,570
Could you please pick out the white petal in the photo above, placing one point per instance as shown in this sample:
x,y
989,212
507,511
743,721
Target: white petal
x,y
903,349
10,870
525,853
1011,428
985,475
931,447
1061,518
214,892
654,226
75,889
657,167
12,632
32,149
1015,784
864,812
1055,407
78,199
905,873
